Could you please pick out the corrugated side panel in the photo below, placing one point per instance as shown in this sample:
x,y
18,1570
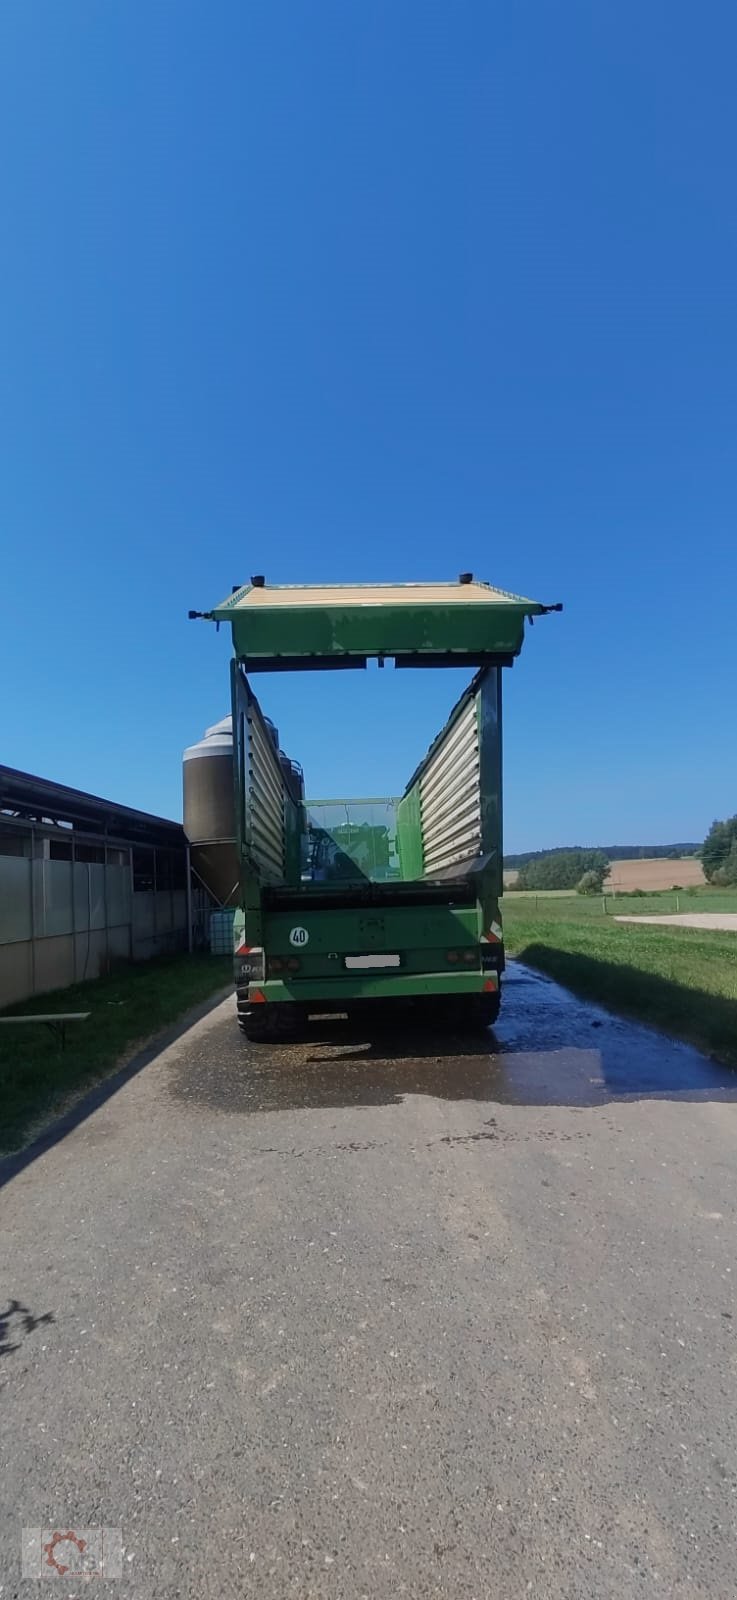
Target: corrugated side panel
x,y
266,795
450,800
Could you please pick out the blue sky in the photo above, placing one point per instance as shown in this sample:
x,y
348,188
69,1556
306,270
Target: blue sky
x,y
374,292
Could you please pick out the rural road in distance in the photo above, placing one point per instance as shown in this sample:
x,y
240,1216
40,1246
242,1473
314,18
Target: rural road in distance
x,y
427,1316
723,921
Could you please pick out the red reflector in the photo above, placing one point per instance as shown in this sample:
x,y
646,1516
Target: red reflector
x,y
489,986
244,950
256,997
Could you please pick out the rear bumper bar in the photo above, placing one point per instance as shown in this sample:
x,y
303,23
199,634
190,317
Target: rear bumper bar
x,y
369,986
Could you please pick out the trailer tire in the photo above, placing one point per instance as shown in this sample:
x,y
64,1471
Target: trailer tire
x,y
485,1009
472,1012
264,1024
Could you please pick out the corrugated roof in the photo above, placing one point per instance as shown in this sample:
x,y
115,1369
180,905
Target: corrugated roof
x,y
26,796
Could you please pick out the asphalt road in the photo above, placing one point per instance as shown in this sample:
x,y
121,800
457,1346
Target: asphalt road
x,y
420,1316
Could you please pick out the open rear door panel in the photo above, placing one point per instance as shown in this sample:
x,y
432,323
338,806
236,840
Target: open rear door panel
x,y
260,796
450,816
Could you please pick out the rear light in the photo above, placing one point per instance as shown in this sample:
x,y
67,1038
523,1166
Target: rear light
x,y
277,964
470,956
452,955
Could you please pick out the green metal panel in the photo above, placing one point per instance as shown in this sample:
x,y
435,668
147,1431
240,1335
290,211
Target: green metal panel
x,y
374,986
421,936
294,832
297,625
409,835
422,932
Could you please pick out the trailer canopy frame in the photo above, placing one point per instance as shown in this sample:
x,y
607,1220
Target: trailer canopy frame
x,y
326,626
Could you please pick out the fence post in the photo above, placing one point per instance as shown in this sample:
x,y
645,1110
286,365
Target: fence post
x,y
105,908
156,896
32,880
603,905
190,931
130,925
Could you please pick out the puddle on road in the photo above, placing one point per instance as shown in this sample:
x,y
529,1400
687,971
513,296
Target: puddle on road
x,y
548,1049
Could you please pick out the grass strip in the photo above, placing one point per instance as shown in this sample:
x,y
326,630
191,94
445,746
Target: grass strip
x,y
682,981
39,1080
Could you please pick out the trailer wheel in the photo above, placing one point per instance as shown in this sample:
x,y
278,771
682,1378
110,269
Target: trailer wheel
x,y
484,1011
470,1011
264,1024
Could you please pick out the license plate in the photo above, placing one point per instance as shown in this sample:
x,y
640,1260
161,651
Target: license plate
x,y
363,962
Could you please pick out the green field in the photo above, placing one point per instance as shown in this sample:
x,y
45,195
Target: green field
x,y
681,980
38,1079
664,903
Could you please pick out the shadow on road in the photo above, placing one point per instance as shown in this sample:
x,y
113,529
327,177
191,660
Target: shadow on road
x,y
16,1322
709,1020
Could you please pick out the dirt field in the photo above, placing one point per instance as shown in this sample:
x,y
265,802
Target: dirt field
x,y
648,874
655,874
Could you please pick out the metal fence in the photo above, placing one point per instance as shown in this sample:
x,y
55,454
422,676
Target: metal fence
x,y
563,903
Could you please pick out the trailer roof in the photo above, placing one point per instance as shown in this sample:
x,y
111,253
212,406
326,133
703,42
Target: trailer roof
x,y
329,625
286,595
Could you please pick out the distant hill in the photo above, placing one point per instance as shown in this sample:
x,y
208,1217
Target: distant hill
x,y
614,852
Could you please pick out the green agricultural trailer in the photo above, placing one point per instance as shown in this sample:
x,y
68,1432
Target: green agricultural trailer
x,y
345,903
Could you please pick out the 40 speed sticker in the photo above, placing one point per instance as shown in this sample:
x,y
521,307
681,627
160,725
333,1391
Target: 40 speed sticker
x,y
299,937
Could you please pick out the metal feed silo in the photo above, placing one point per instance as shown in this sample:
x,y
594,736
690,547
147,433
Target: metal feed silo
x,y
209,813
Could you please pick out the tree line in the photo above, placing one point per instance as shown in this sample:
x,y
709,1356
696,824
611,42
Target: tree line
x,y
584,870
613,852
719,853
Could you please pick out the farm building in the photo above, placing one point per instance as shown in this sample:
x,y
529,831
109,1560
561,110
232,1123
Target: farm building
x,y
83,883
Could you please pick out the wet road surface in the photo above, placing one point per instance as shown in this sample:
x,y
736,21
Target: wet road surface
x,y
414,1315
